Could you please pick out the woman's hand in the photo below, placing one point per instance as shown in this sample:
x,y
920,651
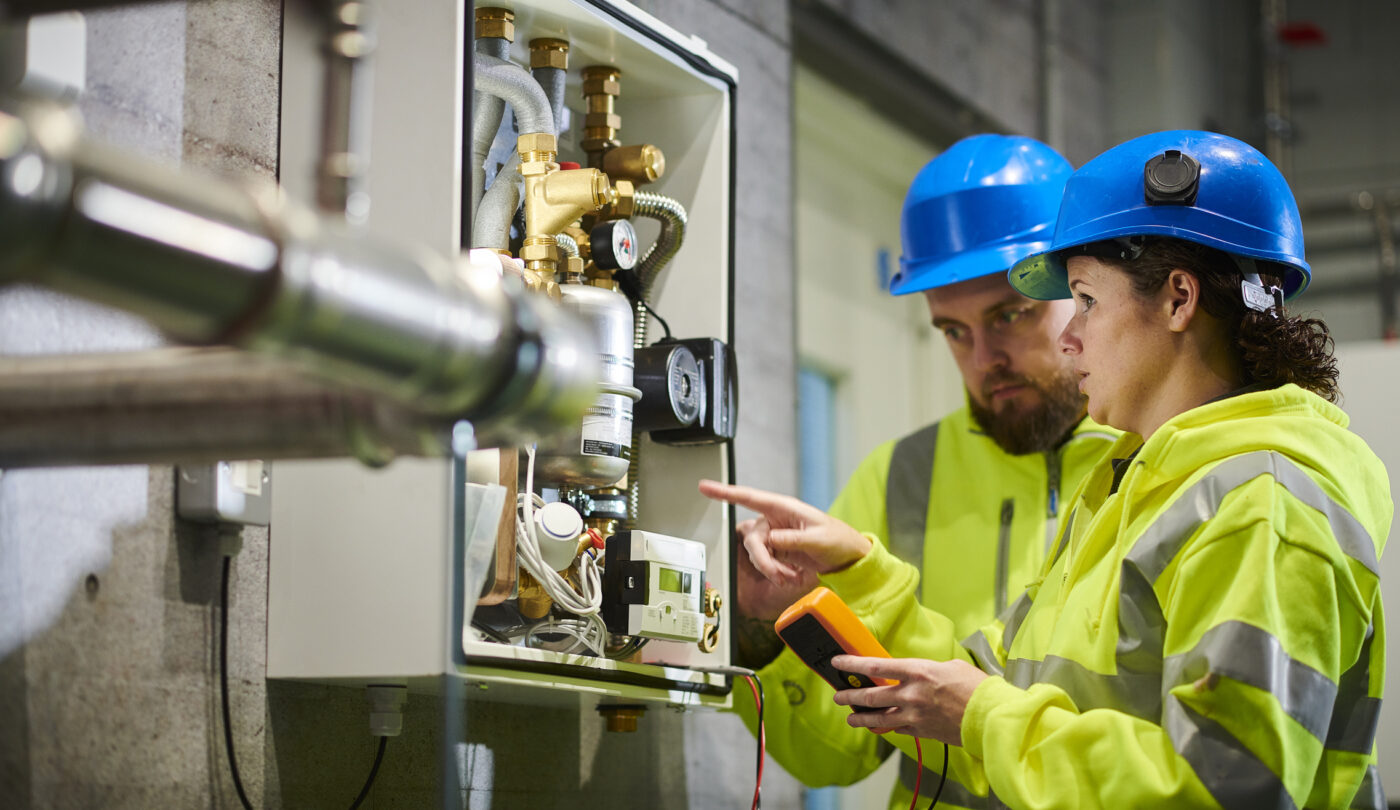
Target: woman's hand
x,y
792,537
928,701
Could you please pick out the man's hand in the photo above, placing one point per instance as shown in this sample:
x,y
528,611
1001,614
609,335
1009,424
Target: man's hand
x,y
928,701
792,540
759,597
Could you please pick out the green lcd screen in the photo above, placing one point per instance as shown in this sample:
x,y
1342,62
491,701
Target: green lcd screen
x,y
670,580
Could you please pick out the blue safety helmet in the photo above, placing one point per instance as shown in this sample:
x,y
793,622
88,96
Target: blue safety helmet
x,y
1202,187
981,206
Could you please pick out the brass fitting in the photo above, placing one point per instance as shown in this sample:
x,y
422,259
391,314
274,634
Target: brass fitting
x,y
532,599
625,200
536,147
573,270
622,718
600,121
549,53
495,22
709,638
553,199
712,601
639,163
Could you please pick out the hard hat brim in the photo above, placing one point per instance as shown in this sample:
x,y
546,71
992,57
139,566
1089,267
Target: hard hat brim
x,y
962,267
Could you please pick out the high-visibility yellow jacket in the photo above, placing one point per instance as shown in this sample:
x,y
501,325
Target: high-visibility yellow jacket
x,y
977,522
1209,632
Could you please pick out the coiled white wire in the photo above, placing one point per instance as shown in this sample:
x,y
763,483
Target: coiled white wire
x,y
586,602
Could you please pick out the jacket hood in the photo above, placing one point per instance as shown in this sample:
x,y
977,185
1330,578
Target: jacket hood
x,y
1289,420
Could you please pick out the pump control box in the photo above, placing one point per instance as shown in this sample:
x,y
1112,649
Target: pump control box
x,y
652,586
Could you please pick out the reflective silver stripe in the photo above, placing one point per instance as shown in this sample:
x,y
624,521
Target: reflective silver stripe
x,y
1135,693
1142,629
954,793
1371,796
1245,653
1012,619
1355,714
1159,545
907,497
1232,774
981,649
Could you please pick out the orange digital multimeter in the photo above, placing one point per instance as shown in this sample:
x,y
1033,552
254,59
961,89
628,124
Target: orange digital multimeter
x,y
819,627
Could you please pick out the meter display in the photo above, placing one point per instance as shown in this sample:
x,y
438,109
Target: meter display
x,y
652,584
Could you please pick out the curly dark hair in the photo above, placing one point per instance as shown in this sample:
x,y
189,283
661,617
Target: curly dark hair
x,y
1274,347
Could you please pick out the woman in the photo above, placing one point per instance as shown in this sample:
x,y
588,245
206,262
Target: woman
x,y
1209,631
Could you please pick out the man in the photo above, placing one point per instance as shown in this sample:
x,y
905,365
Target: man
x,y
971,501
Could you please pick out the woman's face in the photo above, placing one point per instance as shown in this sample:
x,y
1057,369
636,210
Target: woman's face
x,y
1118,342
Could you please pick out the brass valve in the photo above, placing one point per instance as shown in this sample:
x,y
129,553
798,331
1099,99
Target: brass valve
x,y
554,198
495,22
532,599
639,163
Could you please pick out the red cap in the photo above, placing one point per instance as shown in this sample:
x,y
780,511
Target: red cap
x,y
568,164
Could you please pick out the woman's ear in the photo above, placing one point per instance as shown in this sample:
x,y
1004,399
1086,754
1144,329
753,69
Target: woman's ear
x,y
1182,293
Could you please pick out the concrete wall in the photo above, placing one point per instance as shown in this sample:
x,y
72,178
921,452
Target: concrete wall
x,y
108,618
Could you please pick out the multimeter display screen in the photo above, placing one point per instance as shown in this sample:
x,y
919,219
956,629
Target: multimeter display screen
x,y
669,579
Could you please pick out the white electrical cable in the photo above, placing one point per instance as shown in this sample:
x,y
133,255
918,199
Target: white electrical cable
x,y
585,602
588,632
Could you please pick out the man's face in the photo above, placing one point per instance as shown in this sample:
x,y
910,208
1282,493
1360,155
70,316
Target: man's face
x,y
1021,387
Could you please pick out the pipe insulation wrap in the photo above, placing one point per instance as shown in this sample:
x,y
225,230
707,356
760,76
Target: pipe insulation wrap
x,y
491,228
552,80
487,112
518,88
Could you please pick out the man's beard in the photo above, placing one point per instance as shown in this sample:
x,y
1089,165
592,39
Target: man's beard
x,y
1041,428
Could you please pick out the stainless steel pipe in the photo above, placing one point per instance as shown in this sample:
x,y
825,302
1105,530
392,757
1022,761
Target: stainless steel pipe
x,y
185,405
209,263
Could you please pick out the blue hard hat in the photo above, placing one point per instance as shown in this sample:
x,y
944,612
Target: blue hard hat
x,y
984,204
1202,187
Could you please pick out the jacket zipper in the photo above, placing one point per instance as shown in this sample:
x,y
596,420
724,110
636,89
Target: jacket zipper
x,y
1008,510
1052,496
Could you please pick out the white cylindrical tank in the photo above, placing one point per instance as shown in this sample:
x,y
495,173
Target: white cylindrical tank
x,y
596,454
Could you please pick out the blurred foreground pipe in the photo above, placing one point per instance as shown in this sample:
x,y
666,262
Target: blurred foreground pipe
x,y
183,405
209,263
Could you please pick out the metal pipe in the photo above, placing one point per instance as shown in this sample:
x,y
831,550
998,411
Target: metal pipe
x,y
1389,267
513,83
206,262
345,126
1051,74
567,244
672,216
182,405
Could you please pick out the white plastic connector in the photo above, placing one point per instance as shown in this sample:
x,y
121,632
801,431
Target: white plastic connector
x,y
386,709
559,528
